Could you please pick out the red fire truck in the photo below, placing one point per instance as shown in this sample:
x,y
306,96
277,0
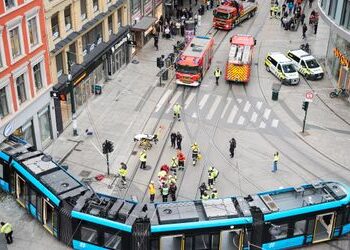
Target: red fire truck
x,y
239,61
194,61
231,13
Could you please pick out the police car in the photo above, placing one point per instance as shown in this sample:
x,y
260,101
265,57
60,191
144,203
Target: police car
x,y
282,67
306,64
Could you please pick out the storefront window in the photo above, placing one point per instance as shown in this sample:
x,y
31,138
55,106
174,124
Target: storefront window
x,y
345,21
45,126
26,132
333,8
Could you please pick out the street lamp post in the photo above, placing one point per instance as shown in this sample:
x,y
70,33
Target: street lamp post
x,y
72,102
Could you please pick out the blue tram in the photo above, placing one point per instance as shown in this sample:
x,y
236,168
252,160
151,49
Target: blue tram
x,y
79,217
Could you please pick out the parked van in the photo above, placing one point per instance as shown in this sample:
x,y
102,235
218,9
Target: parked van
x,y
306,64
282,67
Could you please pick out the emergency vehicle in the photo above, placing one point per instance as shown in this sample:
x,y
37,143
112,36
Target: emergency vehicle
x,y
240,58
194,61
282,67
227,15
306,64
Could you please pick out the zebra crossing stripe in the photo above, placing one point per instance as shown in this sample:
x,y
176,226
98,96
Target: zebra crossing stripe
x,y
241,120
258,105
262,125
246,107
214,107
254,117
189,99
162,100
239,100
173,100
267,113
229,99
203,101
194,115
274,123
232,114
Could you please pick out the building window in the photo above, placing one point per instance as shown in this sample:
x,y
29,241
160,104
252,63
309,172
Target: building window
x,y
33,31
83,9
67,18
59,64
45,126
110,25
38,79
120,17
54,26
4,108
95,5
15,40
345,21
333,8
71,55
10,4
2,55
91,39
21,89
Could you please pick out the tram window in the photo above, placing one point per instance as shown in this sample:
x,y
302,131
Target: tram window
x,y
339,220
113,241
89,235
155,244
1,170
188,243
202,242
215,240
310,227
278,231
299,227
32,197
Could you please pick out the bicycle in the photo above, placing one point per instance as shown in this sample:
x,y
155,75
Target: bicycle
x,y
339,93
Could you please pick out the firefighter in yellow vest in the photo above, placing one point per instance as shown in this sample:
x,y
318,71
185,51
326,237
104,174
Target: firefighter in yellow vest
x,y
211,176
205,196
177,111
143,158
173,165
6,228
123,171
214,194
217,74
151,191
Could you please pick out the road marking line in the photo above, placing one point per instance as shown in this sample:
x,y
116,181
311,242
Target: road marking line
x,y
189,99
262,125
214,107
203,101
246,106
267,113
229,99
194,115
172,101
241,120
254,117
239,100
162,100
274,123
259,105
232,114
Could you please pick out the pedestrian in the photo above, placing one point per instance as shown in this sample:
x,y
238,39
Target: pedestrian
x,y
165,168
173,165
196,2
304,30
276,158
182,29
208,4
310,3
302,18
172,191
165,192
205,196
290,7
210,178
195,152
173,139
315,27
217,74
123,171
214,194
202,188
181,160
6,228
232,147
143,158
211,4
178,140
215,173
151,191
177,111
156,41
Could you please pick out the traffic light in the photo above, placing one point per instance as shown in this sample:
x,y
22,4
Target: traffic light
x,y
107,147
305,105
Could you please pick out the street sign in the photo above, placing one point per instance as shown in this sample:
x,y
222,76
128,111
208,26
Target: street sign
x,y
309,96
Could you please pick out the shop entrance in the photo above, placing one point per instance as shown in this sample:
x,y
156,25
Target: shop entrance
x,y
323,227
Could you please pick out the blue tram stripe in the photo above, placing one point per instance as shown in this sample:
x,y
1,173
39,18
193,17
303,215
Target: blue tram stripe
x,y
346,229
101,221
83,245
282,244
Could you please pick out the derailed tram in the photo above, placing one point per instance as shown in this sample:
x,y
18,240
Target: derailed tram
x,y
79,217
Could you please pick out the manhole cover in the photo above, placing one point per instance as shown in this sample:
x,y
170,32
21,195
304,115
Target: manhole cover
x,y
134,61
84,173
134,153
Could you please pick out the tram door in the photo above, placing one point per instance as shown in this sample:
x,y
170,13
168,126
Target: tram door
x,y
231,239
48,216
20,190
173,242
323,227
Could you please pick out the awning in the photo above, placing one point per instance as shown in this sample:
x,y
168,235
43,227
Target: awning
x,y
144,23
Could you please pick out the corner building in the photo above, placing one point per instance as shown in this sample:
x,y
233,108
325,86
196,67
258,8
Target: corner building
x,y
88,40
26,108
336,13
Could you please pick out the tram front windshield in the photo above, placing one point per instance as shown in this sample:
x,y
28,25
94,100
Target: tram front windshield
x,y
186,69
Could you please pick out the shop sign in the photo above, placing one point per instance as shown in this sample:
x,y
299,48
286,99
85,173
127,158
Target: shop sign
x,y
343,59
8,130
120,43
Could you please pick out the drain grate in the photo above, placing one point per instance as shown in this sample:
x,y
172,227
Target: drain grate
x,y
85,173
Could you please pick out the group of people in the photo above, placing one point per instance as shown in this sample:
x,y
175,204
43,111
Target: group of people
x,y
205,189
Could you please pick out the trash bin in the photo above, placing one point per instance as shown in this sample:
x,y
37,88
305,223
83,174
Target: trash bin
x,y
275,91
98,89
165,75
168,62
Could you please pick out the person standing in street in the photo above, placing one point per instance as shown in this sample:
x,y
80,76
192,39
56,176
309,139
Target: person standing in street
x,y
310,3
304,30
178,140
217,74
177,111
173,139
155,37
6,228
165,192
143,158
214,194
202,188
302,18
315,27
123,171
232,147
205,196
172,191
151,191
181,160
276,158
211,176
173,166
